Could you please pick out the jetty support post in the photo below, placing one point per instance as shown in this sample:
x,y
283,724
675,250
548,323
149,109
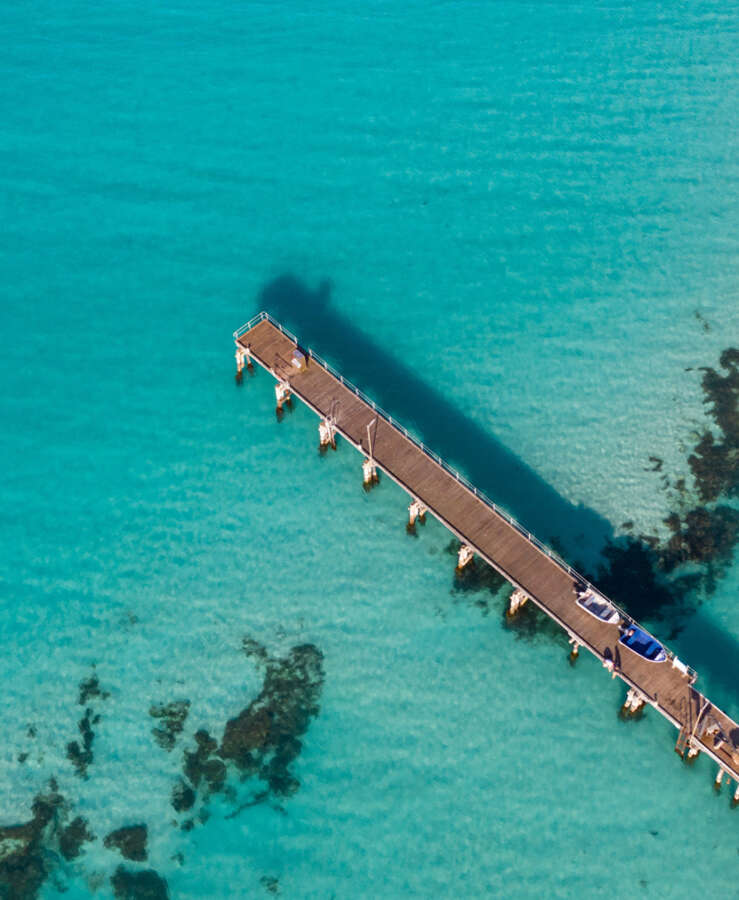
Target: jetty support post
x,y
243,355
283,395
239,364
464,557
369,473
516,601
718,781
369,469
574,648
634,703
416,510
326,433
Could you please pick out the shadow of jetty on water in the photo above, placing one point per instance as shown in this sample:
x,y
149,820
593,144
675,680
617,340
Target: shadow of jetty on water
x,y
644,576
463,443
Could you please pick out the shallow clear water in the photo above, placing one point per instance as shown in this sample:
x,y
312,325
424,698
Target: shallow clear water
x,y
529,210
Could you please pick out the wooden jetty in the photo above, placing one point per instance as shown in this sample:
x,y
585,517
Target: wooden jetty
x,y
485,530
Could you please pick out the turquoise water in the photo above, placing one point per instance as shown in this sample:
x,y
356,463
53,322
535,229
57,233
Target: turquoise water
x,y
529,209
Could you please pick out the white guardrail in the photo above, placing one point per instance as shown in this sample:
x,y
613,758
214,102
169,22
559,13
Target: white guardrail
x,y
555,557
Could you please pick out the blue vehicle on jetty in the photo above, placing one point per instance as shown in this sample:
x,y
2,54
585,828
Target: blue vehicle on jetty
x,y
644,644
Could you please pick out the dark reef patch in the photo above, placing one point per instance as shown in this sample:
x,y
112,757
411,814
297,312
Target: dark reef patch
x,y
30,851
663,579
80,753
711,467
183,797
73,836
703,321
172,717
715,461
24,865
630,575
254,650
129,841
270,884
651,577
254,800
90,689
263,740
146,885
201,766
706,536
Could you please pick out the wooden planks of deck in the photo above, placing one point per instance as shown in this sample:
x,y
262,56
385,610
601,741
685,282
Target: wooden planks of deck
x,y
506,547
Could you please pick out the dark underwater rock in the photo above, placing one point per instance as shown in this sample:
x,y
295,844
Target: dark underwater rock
x,y
172,718
146,885
81,755
270,884
214,772
22,866
715,461
206,743
30,851
130,841
195,760
73,836
276,771
90,689
248,731
263,739
712,467
254,650
722,393
183,796
632,575
273,721
644,574
705,535
23,858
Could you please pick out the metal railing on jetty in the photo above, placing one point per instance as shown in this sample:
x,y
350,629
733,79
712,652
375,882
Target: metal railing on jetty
x,y
540,545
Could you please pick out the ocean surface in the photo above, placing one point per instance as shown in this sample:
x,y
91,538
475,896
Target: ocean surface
x,y
515,225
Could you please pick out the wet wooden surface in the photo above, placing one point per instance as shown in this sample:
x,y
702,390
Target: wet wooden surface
x,y
501,544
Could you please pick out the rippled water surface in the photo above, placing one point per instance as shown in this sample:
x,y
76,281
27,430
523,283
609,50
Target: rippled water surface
x,y
514,225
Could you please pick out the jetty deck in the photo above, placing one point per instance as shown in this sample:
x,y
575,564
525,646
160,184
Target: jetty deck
x,y
503,543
